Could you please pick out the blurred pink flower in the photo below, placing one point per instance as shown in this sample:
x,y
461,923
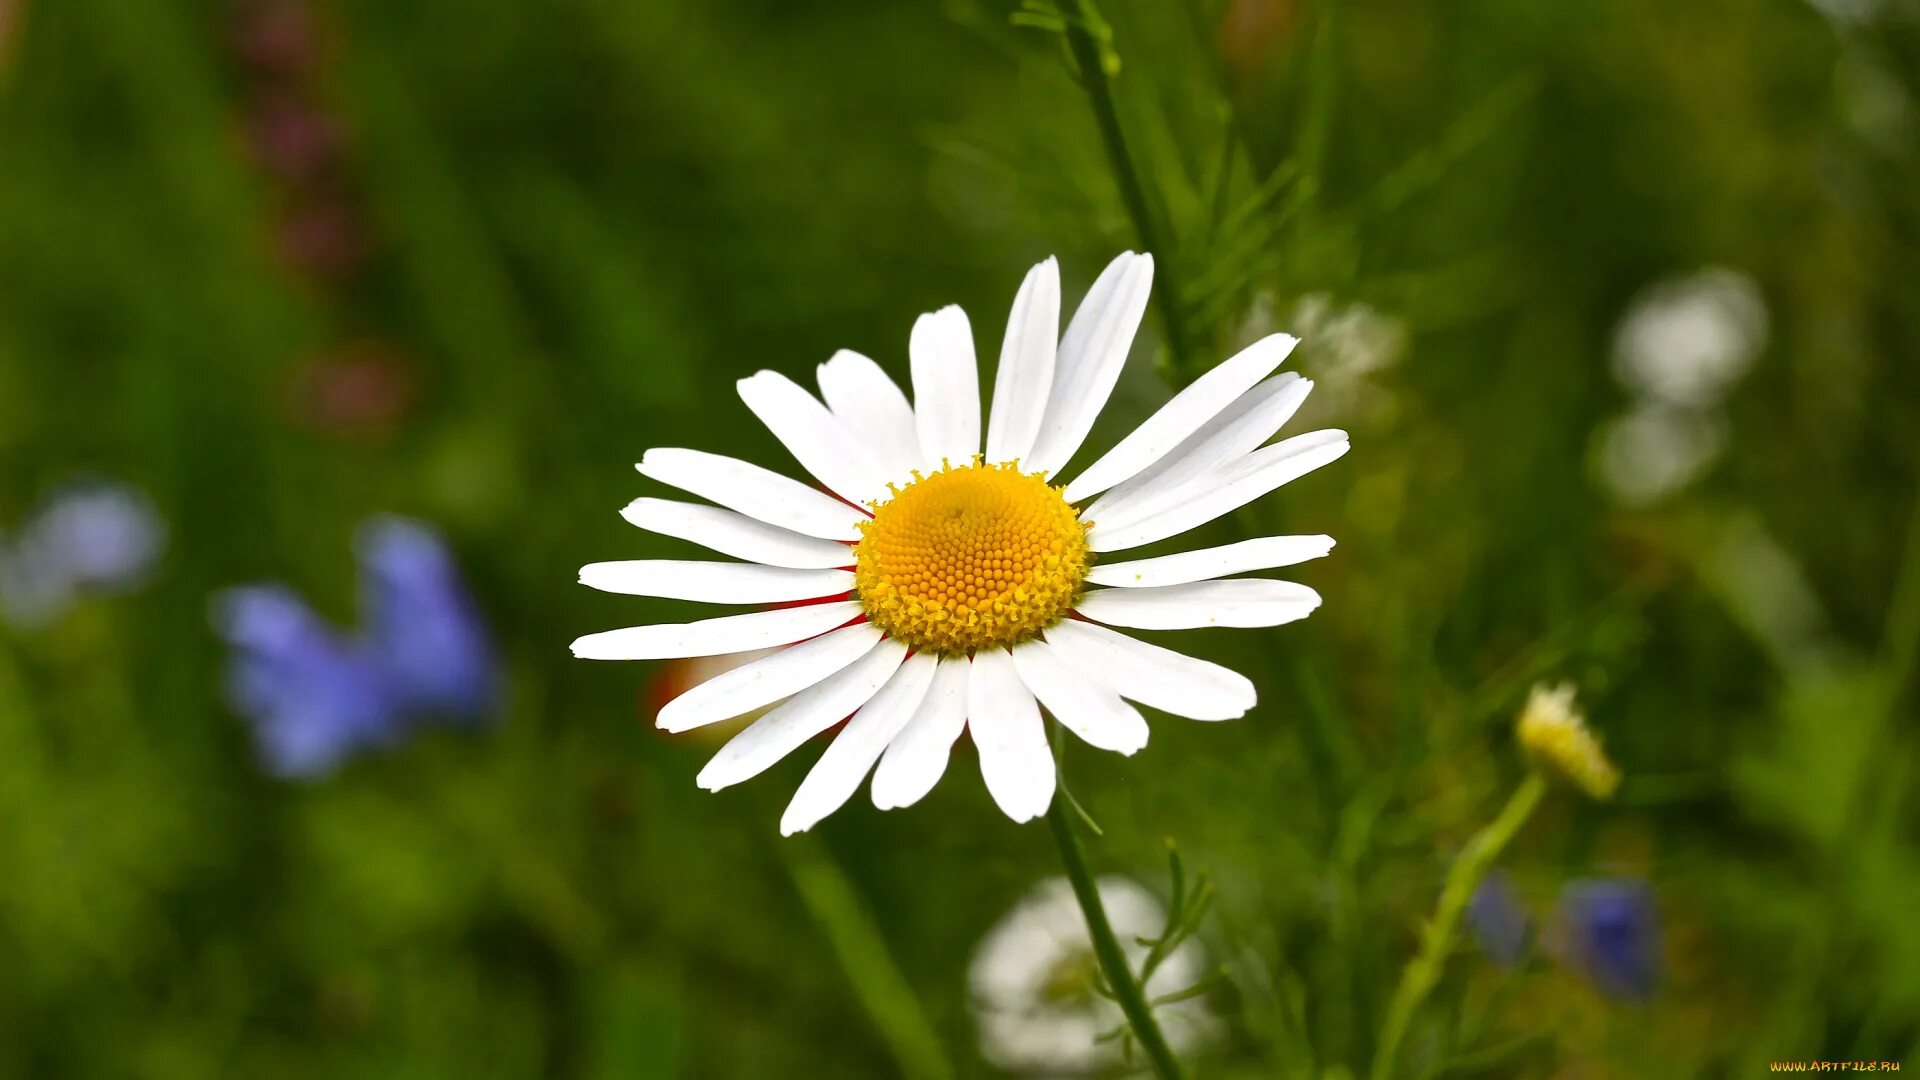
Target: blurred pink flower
x,y
324,239
278,37
360,391
291,138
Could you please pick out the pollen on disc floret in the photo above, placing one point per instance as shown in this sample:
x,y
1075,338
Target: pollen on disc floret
x,y
970,557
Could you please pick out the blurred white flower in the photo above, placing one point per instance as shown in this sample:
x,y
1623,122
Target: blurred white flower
x,y
1034,976
1685,341
1353,339
1847,12
1344,344
1767,592
96,537
1654,450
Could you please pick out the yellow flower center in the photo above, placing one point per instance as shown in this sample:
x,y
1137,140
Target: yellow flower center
x,y
968,558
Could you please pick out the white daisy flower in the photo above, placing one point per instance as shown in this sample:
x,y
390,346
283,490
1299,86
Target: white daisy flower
x,y
1034,981
946,584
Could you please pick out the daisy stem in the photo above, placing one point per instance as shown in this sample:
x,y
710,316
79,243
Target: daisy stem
x,y
1106,948
1423,971
1090,56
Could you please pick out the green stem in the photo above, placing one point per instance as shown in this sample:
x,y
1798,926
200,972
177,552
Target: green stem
x,y
1091,60
1423,971
1113,960
877,981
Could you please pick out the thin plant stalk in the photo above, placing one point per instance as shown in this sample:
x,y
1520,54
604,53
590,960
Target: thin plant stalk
x,y
883,991
1090,58
1423,971
1106,947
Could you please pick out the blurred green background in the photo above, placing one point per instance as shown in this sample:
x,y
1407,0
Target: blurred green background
x,y
284,265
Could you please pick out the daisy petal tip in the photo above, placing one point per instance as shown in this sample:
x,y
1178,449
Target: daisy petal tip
x,y
673,722
594,646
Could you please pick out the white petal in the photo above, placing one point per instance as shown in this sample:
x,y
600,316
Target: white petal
x,y
946,388
1234,602
756,492
1225,489
1160,678
1026,365
839,771
1187,413
801,717
714,582
768,679
711,637
1091,355
1264,553
1238,431
820,441
736,534
1015,760
1088,708
915,761
876,410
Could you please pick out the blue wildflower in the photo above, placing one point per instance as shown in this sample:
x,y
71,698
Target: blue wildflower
x,y
317,696
422,622
1613,935
1499,921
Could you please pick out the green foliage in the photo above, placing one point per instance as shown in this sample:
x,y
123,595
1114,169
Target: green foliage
x,y
583,221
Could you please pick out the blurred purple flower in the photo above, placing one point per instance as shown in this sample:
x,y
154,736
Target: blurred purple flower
x,y
314,697
1499,920
1612,929
317,696
422,622
90,537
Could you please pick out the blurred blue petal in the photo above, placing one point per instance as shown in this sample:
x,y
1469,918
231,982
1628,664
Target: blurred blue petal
x,y
98,537
1498,920
421,621
314,698
1613,931
108,536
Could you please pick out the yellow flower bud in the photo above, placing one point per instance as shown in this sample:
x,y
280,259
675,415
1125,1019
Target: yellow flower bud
x,y
1556,736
